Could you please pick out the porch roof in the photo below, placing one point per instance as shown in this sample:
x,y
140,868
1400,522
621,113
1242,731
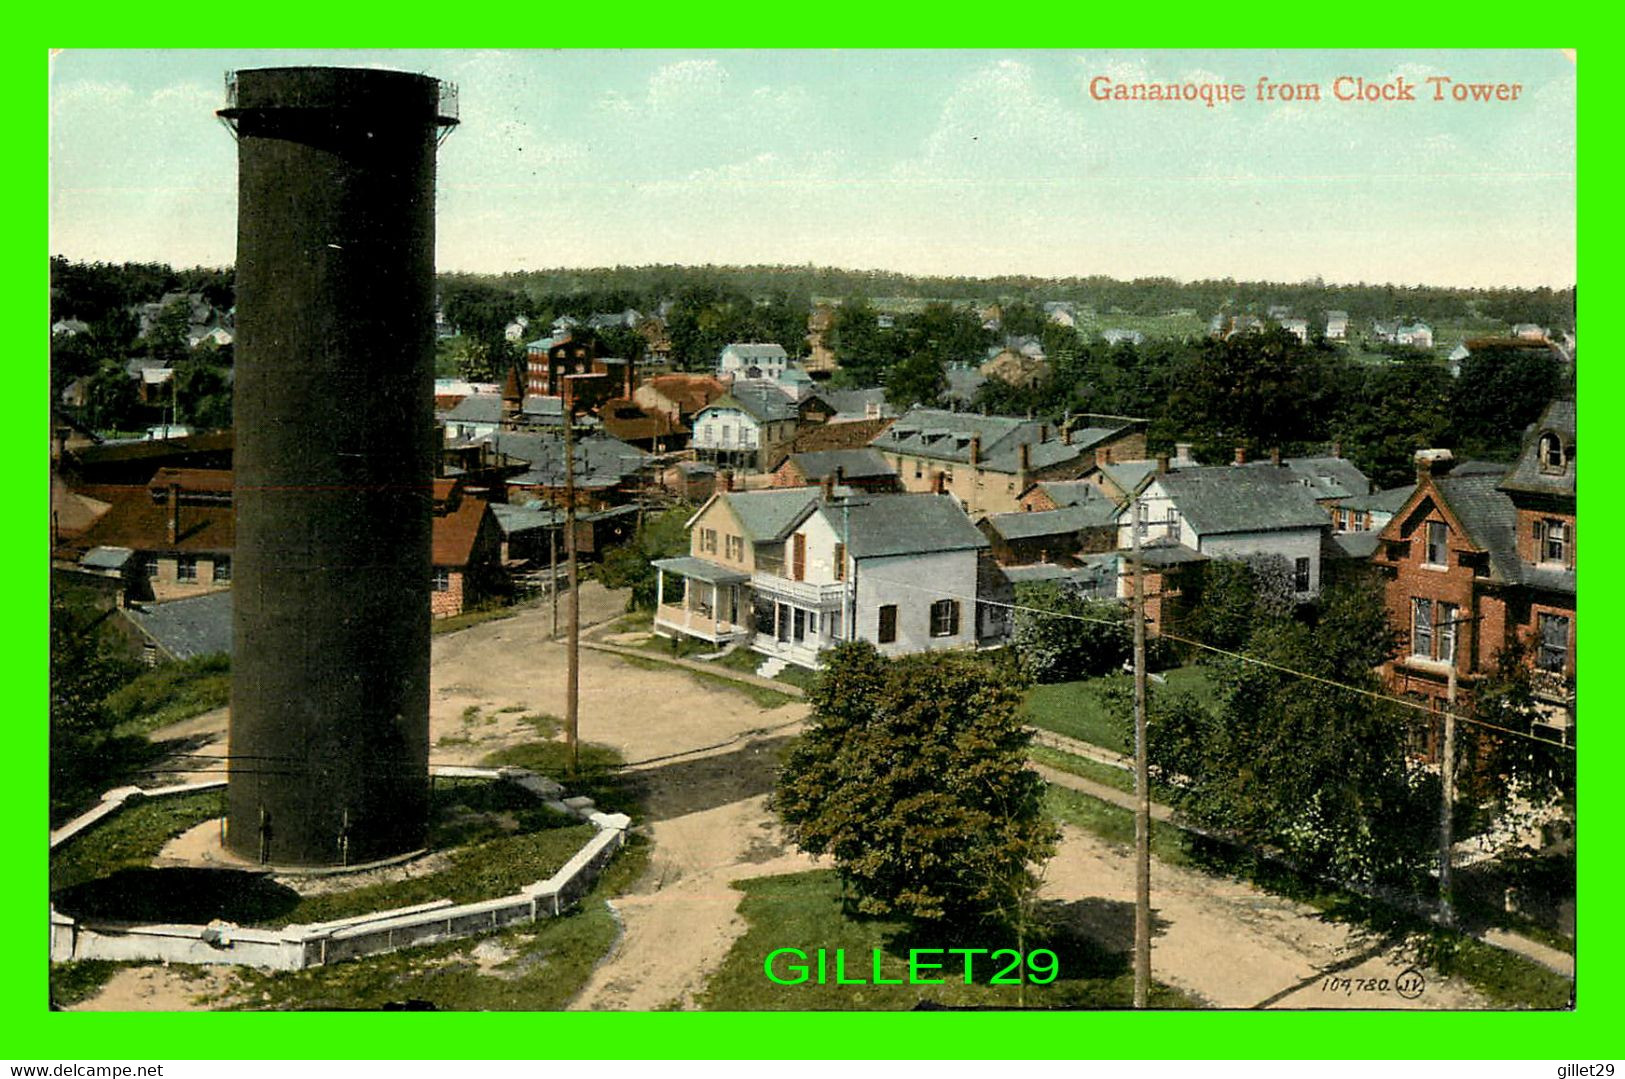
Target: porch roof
x,y
700,570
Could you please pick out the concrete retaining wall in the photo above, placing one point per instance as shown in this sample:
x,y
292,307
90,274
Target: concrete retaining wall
x,y
299,946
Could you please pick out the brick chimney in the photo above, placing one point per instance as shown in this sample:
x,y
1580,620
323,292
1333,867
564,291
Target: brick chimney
x,y
1103,456
1043,432
726,479
1024,467
1241,455
1275,456
1162,464
939,482
174,512
1337,449
828,486
975,449
1066,435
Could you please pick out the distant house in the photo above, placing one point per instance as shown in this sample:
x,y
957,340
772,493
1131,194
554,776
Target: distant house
x,y
1297,327
515,330
680,396
181,629
850,405
1232,513
745,428
1529,331
861,469
1057,537
1415,334
69,327
648,429
1062,312
607,470
987,462
792,572
1276,312
467,549
1337,325
1121,337
475,415
1372,512
179,526
752,360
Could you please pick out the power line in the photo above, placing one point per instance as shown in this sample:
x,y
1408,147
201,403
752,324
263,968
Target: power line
x,y
1242,657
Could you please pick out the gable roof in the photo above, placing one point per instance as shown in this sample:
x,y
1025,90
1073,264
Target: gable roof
x,y
1488,518
761,402
477,408
1390,501
689,392
1326,477
184,628
454,533
1071,492
599,459
882,526
837,436
854,464
1095,513
768,516
1220,499
757,350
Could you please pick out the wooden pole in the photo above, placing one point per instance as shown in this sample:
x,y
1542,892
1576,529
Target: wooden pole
x,y
572,650
1447,798
1142,786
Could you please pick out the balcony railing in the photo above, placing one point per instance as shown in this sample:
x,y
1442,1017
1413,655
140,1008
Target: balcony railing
x,y
1552,686
806,593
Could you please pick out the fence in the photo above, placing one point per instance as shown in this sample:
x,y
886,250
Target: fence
x,y
297,947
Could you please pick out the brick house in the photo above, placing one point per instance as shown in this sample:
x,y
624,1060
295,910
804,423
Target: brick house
x,y
179,526
467,550
1477,559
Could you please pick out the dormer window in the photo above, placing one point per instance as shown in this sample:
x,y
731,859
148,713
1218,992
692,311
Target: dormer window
x,y
1551,453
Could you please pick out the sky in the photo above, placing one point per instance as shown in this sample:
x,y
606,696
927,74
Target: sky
x,y
968,163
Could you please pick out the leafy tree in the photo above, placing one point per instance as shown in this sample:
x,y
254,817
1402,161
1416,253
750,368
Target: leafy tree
x,y
631,565
918,380
1494,765
1393,411
1499,393
1072,638
85,668
1234,596
1305,766
202,394
111,401
912,778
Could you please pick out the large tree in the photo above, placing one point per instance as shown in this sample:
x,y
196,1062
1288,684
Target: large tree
x,y
1059,636
1300,763
913,779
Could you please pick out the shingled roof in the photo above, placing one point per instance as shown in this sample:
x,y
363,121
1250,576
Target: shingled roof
x,y
184,628
1529,474
1094,513
881,526
1219,499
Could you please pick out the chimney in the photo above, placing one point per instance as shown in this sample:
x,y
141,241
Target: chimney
x,y
1182,453
1066,435
726,478
1241,455
1162,464
1103,456
1337,449
174,512
975,449
1024,456
939,483
1043,432
1275,456
840,475
829,488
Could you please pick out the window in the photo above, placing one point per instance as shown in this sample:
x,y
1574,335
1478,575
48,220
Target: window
x,y
783,622
1551,453
222,569
727,434
1300,575
945,618
800,621
442,579
888,624
1446,627
798,557
736,548
708,541
1554,643
1555,547
149,566
919,468
835,625
1173,522
1422,628
840,561
186,568
1437,531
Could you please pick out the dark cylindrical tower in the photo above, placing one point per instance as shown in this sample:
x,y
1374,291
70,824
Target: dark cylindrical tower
x,y
334,461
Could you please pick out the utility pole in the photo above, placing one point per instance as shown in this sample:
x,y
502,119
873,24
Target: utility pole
x,y
553,572
1447,798
572,649
1142,784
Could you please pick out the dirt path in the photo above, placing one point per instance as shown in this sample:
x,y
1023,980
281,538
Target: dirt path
x,y
680,921
1229,943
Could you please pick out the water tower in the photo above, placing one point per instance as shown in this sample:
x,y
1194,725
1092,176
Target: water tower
x,y
334,461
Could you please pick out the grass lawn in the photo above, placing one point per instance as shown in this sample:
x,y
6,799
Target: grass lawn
x,y
131,837
805,911
528,968
169,694
761,696
1079,709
